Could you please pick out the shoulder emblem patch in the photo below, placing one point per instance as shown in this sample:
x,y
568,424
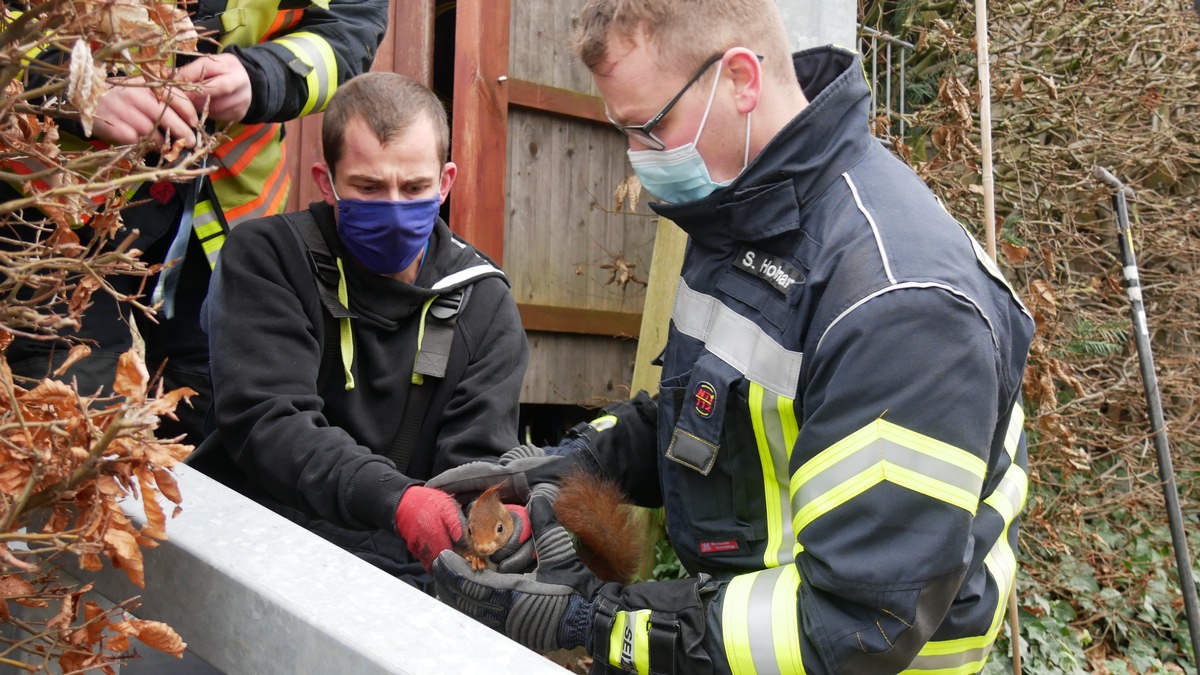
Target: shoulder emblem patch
x,y
706,399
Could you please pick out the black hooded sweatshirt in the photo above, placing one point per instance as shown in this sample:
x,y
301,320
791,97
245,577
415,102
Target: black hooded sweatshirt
x,y
317,449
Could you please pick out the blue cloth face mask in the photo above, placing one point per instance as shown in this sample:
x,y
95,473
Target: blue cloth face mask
x,y
385,236
680,175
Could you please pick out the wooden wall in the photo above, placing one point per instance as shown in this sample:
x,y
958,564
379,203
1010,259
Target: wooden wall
x,y
565,244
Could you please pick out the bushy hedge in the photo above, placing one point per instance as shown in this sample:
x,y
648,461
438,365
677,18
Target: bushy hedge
x,y
1076,84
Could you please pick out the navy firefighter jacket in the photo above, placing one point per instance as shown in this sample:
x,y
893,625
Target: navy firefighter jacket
x,y
839,424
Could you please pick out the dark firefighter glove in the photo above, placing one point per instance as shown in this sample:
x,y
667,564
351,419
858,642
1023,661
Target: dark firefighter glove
x,y
549,608
518,471
527,469
562,605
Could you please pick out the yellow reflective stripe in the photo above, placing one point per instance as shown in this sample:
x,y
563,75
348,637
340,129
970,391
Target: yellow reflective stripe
x,y
1009,496
315,52
965,656
212,247
791,433
885,452
952,657
629,643
1016,426
603,422
418,378
760,622
207,226
347,332
773,454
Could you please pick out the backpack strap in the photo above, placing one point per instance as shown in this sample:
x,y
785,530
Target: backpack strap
x,y
435,337
331,288
435,334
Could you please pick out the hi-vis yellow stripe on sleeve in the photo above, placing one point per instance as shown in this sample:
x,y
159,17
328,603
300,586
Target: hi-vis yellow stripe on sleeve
x,y
313,51
761,623
966,656
885,452
775,430
631,630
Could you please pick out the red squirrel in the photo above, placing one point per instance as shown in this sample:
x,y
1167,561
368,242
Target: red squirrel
x,y
609,539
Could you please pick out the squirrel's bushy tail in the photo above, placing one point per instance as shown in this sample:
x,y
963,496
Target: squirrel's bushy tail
x,y
612,540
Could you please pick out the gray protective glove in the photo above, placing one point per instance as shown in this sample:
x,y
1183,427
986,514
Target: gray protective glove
x,y
550,608
519,470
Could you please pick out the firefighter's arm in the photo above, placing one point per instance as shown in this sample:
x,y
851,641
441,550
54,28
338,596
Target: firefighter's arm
x,y
621,443
902,399
296,73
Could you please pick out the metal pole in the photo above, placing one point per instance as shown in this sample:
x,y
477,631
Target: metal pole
x,y
1133,289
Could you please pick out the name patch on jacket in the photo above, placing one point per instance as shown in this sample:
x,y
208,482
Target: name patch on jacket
x,y
770,268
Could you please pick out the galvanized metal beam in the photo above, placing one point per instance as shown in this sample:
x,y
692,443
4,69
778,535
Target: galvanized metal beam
x,y
251,592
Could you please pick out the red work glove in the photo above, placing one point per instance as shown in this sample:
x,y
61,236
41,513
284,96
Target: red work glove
x,y
429,521
517,555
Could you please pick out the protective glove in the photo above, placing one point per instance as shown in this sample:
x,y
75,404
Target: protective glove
x,y
517,555
430,521
519,470
550,608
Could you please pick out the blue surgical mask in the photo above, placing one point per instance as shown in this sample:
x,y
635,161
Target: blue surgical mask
x,y
680,175
385,236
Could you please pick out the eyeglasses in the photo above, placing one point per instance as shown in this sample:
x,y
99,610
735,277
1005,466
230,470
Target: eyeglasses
x,y
644,133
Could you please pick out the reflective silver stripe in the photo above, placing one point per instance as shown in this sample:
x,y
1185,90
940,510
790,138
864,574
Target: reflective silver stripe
x,y
263,209
737,341
907,285
944,662
238,150
874,228
318,60
885,452
762,630
876,454
767,414
759,620
1016,427
463,275
1009,496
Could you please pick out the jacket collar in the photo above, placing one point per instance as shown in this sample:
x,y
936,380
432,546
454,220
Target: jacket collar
x,y
822,142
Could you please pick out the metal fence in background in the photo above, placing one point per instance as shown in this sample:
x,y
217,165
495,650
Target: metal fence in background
x,y
886,57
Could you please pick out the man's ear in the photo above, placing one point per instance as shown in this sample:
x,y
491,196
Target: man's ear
x,y
324,180
449,173
745,71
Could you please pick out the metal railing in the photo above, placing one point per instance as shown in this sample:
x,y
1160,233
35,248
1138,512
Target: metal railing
x,y
870,44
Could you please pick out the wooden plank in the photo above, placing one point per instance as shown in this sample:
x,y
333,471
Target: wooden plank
x,y
480,124
584,370
564,238
407,48
579,321
669,245
549,99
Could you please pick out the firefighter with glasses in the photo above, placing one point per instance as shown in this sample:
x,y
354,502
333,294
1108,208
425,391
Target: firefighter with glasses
x,y
837,439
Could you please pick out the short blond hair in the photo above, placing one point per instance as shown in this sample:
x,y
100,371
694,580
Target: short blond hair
x,y
685,32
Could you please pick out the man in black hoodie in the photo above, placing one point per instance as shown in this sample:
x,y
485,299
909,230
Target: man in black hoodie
x,y
335,400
